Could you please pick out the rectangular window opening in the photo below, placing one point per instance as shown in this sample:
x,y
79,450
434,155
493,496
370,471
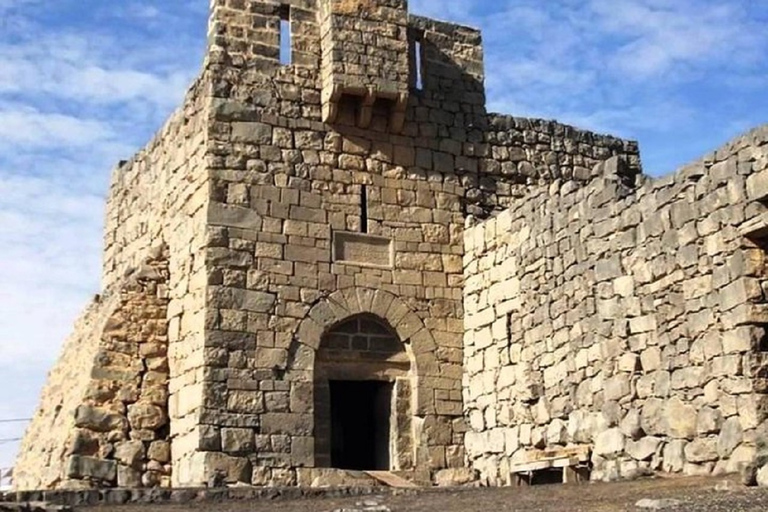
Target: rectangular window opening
x,y
509,329
418,62
286,45
364,209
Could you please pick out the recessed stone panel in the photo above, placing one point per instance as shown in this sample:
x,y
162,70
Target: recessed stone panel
x,y
363,249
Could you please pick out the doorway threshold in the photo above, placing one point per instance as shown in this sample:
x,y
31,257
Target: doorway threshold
x,y
391,480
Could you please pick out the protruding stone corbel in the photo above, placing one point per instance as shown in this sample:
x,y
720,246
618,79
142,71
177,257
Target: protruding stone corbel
x,y
331,103
366,109
397,121
756,228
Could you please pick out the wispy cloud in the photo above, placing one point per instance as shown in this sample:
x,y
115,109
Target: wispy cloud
x,y
641,69
30,129
81,86
661,36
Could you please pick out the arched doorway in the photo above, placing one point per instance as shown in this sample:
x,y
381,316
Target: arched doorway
x,y
363,403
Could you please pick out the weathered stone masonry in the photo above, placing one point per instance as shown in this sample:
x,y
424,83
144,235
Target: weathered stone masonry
x,y
107,422
306,227
627,315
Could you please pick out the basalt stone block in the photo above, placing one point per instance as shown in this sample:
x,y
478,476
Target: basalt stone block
x,y
90,467
237,440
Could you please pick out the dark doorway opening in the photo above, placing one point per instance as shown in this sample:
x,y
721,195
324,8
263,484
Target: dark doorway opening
x,y
360,425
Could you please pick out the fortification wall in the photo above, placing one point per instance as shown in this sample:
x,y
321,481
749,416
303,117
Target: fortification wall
x,y
44,450
628,319
519,153
160,196
156,198
155,195
103,419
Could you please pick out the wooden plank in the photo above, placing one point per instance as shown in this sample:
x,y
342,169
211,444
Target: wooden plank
x,y
582,452
532,466
565,462
391,480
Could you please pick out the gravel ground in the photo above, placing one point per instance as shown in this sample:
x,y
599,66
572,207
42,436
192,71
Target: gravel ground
x,y
691,494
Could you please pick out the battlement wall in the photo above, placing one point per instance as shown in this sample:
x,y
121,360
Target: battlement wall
x,y
153,195
521,153
626,319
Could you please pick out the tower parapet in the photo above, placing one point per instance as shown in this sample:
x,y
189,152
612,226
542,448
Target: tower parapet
x,y
365,54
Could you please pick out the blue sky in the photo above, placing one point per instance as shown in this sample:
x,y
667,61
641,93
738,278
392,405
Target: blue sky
x,y
84,83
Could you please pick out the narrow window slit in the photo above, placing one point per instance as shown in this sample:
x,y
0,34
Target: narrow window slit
x,y
418,58
364,209
285,36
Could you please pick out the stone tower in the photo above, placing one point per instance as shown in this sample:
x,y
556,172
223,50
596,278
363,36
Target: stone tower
x,y
283,275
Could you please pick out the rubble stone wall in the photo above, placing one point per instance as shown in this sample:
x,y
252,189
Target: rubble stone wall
x,y
43,452
156,198
103,419
631,319
520,152
160,197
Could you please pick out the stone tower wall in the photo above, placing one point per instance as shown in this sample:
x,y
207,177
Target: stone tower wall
x,y
628,319
286,222
156,198
160,196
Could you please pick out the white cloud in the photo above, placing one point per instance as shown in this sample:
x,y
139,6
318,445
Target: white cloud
x,y
144,11
72,102
72,67
660,35
630,67
31,128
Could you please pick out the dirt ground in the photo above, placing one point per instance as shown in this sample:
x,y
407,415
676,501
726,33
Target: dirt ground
x,y
693,494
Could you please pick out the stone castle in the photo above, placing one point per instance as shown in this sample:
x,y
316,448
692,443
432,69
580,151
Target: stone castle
x,y
343,261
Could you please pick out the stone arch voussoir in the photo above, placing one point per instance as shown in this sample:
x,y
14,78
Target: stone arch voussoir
x,y
352,301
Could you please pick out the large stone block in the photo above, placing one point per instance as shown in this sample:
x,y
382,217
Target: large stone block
x,y
130,453
99,420
89,467
701,450
610,443
643,449
287,423
146,416
251,132
205,466
237,440
730,437
680,419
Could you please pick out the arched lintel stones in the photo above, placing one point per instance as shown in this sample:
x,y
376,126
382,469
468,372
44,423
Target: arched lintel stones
x,y
349,302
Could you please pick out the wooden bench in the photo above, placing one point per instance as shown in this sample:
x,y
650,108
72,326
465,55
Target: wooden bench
x,y
573,461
